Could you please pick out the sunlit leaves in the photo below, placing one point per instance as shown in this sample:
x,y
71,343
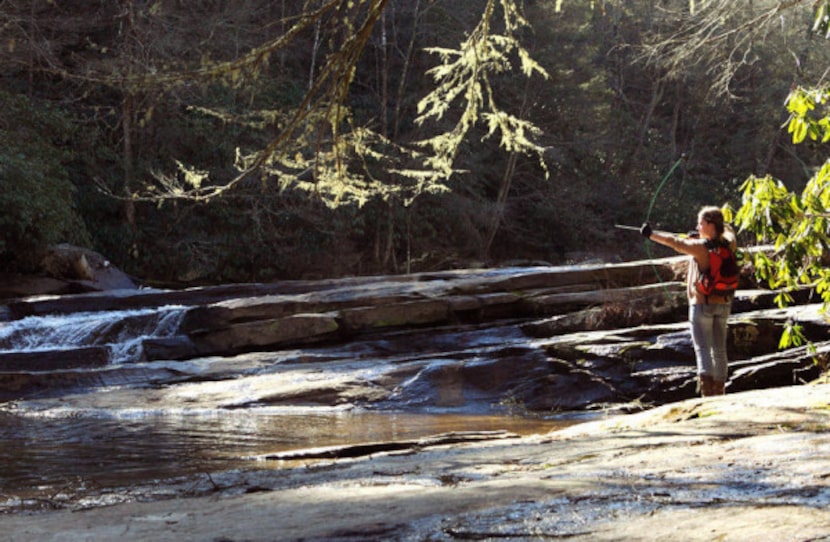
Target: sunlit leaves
x,y
821,20
797,225
766,206
803,123
463,85
792,335
318,147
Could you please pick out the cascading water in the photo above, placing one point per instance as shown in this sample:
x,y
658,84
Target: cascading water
x,y
121,332
93,418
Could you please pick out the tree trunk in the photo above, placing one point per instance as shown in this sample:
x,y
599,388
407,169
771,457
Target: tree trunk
x,y
407,61
127,112
656,96
127,116
501,201
389,252
504,187
384,78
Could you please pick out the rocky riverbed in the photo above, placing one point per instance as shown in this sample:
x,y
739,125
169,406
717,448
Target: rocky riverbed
x,y
750,466
540,345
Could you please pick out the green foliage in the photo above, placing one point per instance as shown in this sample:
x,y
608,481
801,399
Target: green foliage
x,y
797,225
821,18
792,335
463,85
322,148
320,100
36,196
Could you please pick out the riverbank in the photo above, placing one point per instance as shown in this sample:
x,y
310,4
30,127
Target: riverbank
x,y
747,466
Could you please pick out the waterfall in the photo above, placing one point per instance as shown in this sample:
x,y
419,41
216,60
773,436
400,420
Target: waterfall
x,y
121,332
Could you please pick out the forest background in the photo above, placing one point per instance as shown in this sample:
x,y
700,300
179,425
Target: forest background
x,y
209,141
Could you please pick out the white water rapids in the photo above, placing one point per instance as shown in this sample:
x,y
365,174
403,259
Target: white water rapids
x,y
121,332
99,434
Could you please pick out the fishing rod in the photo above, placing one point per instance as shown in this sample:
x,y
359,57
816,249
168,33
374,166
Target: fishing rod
x,y
691,234
624,227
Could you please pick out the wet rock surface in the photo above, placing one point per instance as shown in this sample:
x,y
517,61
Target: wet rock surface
x,y
67,269
537,339
750,466
531,342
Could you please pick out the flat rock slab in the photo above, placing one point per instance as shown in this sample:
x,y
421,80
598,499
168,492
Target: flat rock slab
x,y
750,466
54,360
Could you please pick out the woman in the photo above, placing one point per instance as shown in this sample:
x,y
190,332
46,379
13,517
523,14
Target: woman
x,y
708,314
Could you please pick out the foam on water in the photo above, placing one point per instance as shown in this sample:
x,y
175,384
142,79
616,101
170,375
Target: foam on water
x,y
122,332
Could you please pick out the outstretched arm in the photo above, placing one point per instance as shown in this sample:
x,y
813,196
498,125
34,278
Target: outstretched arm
x,y
693,247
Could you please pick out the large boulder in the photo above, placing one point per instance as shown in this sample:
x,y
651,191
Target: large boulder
x,y
85,268
66,269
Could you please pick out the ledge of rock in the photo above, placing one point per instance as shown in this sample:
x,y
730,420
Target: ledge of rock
x,y
541,339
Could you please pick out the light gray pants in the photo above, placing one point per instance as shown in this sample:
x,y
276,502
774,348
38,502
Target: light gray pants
x,y
709,338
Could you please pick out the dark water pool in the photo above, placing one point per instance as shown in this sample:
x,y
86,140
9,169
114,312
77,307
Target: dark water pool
x,y
74,452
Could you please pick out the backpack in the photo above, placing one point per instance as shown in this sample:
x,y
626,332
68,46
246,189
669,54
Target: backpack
x,y
722,277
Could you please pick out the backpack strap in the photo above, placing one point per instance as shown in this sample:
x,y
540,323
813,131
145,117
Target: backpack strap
x,y
712,244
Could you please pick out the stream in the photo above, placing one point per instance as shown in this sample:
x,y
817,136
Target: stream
x,y
121,332
49,447
169,402
68,452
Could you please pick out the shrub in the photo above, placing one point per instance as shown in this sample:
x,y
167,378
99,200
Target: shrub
x,y
36,196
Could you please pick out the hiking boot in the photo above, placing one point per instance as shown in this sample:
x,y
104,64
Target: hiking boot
x,y
718,387
706,385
